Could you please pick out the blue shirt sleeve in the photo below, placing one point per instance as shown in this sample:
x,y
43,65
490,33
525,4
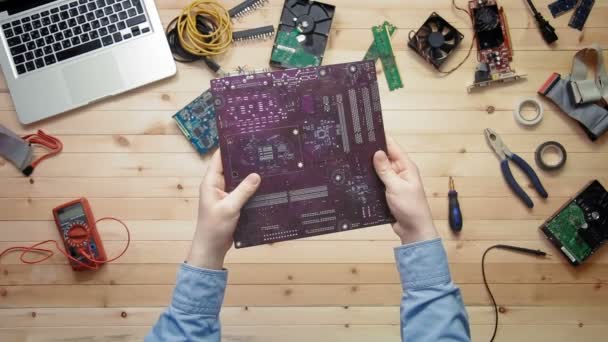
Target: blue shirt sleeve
x,y
194,311
432,308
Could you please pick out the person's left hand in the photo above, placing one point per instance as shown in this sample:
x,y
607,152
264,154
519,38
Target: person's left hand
x,y
218,214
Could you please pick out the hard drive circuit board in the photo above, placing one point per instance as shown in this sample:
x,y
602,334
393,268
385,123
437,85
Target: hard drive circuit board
x,y
311,134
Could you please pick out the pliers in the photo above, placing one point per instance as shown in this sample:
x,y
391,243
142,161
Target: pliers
x,y
505,155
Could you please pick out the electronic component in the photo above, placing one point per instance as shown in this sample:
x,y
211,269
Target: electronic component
x,y
311,134
372,52
263,32
560,7
435,40
382,41
493,43
580,227
245,8
302,34
78,231
197,122
581,13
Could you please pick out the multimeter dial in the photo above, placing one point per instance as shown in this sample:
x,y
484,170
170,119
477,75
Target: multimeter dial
x,y
76,234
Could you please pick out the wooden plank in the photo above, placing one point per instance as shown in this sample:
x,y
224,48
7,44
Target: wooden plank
x,y
419,142
353,333
196,77
302,273
299,251
165,230
298,295
399,123
299,316
192,165
474,208
420,93
404,18
188,187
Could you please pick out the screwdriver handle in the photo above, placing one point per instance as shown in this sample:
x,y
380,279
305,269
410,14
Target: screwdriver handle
x,y
455,215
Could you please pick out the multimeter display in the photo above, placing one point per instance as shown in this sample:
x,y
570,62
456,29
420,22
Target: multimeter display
x,y
70,213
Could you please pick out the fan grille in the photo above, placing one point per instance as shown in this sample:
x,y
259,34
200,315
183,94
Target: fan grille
x,y
435,40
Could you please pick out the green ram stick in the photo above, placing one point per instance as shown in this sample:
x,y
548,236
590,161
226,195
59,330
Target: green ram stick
x,y
382,41
372,52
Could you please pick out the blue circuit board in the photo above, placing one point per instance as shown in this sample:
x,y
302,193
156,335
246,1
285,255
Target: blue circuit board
x,y
197,122
560,7
581,13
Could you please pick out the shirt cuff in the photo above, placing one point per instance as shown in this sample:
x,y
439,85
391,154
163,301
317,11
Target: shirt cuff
x,y
199,290
422,264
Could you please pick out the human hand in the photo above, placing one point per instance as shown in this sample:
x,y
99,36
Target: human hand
x,y
218,214
405,194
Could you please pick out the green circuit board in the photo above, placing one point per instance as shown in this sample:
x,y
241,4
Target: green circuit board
x,y
288,51
197,122
382,42
565,227
372,53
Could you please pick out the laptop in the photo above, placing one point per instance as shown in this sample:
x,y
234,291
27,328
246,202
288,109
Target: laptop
x,y
58,55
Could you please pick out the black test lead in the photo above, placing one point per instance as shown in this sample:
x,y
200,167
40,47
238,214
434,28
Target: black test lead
x,y
455,215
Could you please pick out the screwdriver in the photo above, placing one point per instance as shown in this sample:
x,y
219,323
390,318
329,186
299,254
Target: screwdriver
x,y
455,216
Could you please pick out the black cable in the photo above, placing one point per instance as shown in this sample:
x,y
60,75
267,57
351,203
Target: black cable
x,y
532,7
180,54
536,252
546,30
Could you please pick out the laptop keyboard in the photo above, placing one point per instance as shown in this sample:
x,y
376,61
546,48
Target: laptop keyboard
x,y
72,29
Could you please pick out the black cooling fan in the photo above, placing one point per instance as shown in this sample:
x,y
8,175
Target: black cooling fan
x,y
435,40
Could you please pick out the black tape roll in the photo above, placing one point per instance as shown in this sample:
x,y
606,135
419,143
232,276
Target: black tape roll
x,y
540,150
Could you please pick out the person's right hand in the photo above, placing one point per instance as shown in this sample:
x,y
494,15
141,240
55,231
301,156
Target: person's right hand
x,y
405,194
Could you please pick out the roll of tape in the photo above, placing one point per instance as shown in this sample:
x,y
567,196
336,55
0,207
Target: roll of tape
x,y
543,148
525,121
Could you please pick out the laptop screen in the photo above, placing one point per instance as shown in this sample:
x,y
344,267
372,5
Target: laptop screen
x,y
16,6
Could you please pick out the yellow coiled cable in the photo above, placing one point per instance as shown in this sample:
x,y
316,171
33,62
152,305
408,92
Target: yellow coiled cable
x,y
215,42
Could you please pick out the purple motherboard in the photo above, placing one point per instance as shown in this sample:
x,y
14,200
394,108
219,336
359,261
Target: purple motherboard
x,y
310,134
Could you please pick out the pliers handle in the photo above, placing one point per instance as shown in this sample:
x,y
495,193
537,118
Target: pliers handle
x,y
503,152
508,175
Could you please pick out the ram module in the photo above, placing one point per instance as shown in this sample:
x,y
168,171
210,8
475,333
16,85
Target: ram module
x,y
372,52
581,13
382,42
561,6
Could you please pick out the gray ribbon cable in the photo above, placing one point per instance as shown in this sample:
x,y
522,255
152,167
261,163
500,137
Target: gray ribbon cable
x,y
15,149
580,89
592,117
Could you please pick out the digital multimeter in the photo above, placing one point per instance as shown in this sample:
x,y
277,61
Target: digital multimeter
x,y
76,226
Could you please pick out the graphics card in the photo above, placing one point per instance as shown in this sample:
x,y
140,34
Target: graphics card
x,y
493,43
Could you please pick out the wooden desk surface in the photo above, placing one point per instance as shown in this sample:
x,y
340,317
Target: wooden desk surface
x,y
129,158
